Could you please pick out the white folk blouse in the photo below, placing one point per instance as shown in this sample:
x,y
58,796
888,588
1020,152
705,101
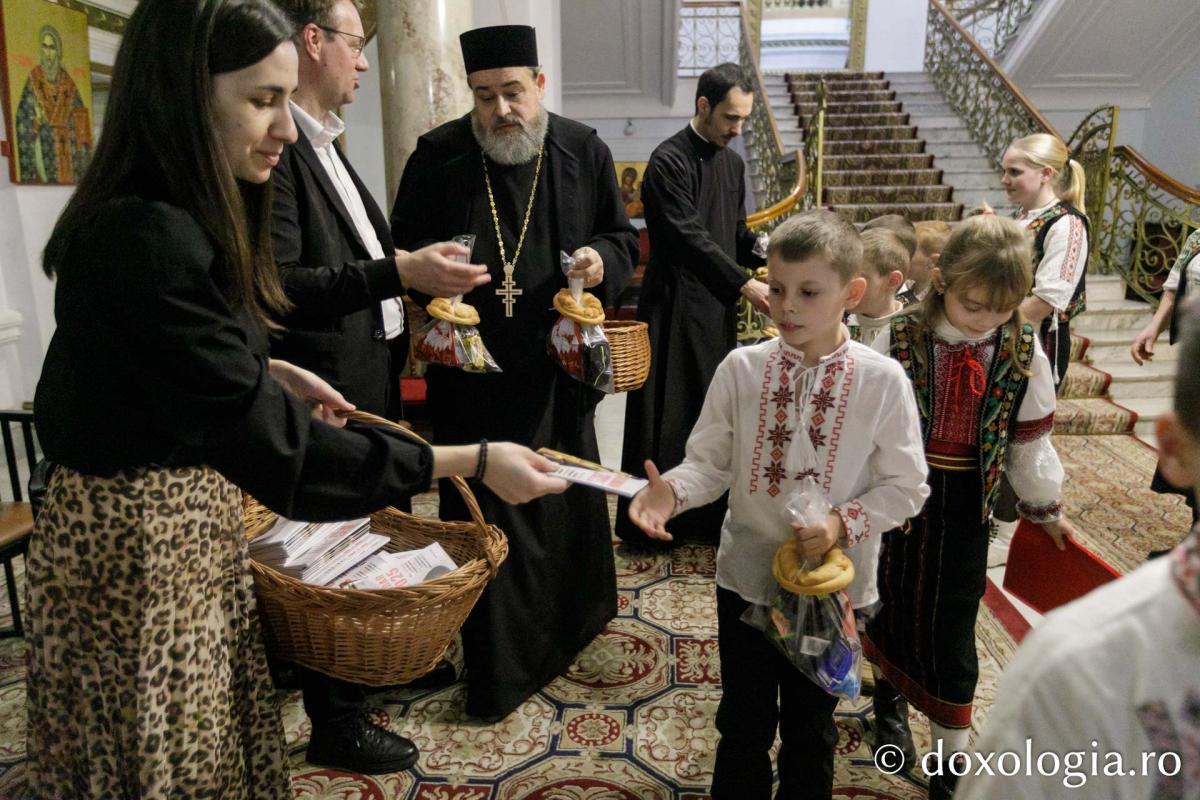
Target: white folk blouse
x,y
769,423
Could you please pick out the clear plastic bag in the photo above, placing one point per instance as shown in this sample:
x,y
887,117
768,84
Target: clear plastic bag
x,y
452,345
583,351
817,633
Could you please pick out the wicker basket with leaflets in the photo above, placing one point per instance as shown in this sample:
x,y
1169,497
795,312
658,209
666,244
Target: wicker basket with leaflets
x,y
382,636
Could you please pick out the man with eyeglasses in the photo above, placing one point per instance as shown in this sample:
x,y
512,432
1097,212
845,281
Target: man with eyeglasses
x,y
344,276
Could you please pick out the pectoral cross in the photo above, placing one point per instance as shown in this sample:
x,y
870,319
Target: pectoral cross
x,y
508,291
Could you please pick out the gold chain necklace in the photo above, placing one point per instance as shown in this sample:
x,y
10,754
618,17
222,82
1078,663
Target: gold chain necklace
x,y
508,290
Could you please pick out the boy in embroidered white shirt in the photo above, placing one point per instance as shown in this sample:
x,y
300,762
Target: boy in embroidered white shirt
x,y
811,404
884,267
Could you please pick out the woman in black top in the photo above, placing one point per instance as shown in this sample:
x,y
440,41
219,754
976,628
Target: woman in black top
x,y
146,670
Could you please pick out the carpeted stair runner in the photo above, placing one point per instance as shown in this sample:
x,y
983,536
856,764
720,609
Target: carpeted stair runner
x,y
875,157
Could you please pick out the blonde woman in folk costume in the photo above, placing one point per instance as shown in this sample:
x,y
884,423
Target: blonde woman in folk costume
x,y
1048,186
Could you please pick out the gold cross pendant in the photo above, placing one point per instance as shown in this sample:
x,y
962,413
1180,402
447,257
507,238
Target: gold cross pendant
x,y
508,290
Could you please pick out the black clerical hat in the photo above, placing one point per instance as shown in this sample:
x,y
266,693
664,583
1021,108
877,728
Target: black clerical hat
x,y
499,46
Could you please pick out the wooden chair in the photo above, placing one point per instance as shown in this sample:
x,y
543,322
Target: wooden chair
x,y
16,516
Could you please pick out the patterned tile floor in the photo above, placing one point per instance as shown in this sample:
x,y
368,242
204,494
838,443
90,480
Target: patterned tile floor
x,y
631,718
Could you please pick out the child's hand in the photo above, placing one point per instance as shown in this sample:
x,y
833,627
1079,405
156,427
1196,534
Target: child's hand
x,y
815,542
653,506
1059,530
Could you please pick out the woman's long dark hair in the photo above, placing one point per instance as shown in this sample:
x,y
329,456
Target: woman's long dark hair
x,y
159,141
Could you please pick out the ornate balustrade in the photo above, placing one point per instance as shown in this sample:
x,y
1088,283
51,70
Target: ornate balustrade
x,y
1139,215
994,24
709,34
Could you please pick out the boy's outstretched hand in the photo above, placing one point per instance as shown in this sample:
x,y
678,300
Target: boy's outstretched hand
x,y
653,506
815,541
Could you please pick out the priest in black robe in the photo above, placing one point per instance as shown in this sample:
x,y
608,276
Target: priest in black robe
x,y
557,590
694,191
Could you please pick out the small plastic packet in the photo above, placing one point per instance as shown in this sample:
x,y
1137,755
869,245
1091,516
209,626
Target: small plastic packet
x,y
815,631
577,341
450,337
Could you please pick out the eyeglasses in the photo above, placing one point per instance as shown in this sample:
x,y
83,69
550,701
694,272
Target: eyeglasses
x,y
357,43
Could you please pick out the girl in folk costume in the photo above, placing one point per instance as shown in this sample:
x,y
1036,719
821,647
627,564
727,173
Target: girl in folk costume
x,y
1048,186
985,396
1185,274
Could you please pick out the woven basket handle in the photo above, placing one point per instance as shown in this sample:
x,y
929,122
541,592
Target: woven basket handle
x,y
461,485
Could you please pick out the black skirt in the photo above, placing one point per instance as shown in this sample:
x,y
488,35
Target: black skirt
x,y
930,583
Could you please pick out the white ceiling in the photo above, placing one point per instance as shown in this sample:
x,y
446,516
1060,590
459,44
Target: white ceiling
x,y
1072,52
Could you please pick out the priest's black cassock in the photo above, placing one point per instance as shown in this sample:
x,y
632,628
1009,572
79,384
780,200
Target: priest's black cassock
x,y
695,198
557,589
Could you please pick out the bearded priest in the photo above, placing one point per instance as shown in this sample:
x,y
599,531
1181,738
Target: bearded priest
x,y
528,184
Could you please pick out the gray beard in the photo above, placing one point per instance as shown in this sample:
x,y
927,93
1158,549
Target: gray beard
x,y
515,147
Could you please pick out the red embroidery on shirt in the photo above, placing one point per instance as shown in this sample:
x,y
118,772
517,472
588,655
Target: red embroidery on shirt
x,y
756,457
1074,246
846,365
959,368
1028,430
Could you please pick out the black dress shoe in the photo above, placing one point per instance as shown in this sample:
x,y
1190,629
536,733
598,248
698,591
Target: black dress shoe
x,y
358,745
891,723
442,675
942,786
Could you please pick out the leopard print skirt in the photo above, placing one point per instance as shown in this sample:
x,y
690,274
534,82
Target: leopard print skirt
x,y
147,675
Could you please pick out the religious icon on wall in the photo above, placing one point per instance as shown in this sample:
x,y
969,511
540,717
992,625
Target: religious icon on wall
x,y
629,176
47,91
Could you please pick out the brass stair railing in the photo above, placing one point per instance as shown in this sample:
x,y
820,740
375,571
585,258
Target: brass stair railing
x,y
780,172
1139,216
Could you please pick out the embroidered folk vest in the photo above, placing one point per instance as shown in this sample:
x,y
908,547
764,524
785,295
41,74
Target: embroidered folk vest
x,y
1005,387
1039,227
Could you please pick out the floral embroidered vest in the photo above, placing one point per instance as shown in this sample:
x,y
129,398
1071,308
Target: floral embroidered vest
x,y
1002,395
1038,228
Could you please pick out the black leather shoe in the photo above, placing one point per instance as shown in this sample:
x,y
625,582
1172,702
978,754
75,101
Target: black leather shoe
x,y
891,723
941,787
442,675
358,745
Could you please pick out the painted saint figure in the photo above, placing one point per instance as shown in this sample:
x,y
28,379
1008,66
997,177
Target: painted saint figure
x,y
54,129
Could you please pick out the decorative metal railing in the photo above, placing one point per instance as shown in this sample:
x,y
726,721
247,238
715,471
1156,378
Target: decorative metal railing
x,y
1139,216
994,24
779,173
710,33
995,111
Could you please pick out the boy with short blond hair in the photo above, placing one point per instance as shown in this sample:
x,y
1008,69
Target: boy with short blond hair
x,y
932,236
884,268
811,404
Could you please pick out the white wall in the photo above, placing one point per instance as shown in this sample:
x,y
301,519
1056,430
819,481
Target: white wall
x,y
1172,139
896,35
546,17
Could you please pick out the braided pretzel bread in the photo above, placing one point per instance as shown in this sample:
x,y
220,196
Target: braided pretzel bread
x,y
835,573
461,314
589,312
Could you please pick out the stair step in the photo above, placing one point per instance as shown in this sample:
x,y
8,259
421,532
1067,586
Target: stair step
x,y
839,86
870,133
972,179
880,107
1112,315
923,97
950,212
1084,381
1148,409
872,146
950,135
1130,382
927,109
835,74
841,120
1111,347
838,195
976,198
1105,287
847,97
1092,415
925,120
952,163
878,161
956,148
870,177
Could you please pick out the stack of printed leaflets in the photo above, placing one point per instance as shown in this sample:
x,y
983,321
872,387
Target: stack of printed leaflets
x,y
316,553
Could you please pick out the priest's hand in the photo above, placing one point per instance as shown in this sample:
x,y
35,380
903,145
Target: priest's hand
x,y
588,265
434,271
326,403
1059,530
815,541
517,474
653,506
757,293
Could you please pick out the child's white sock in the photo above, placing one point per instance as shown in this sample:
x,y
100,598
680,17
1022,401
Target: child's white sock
x,y
953,739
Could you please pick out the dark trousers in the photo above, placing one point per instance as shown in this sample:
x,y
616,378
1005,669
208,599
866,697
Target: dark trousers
x,y
329,700
763,691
